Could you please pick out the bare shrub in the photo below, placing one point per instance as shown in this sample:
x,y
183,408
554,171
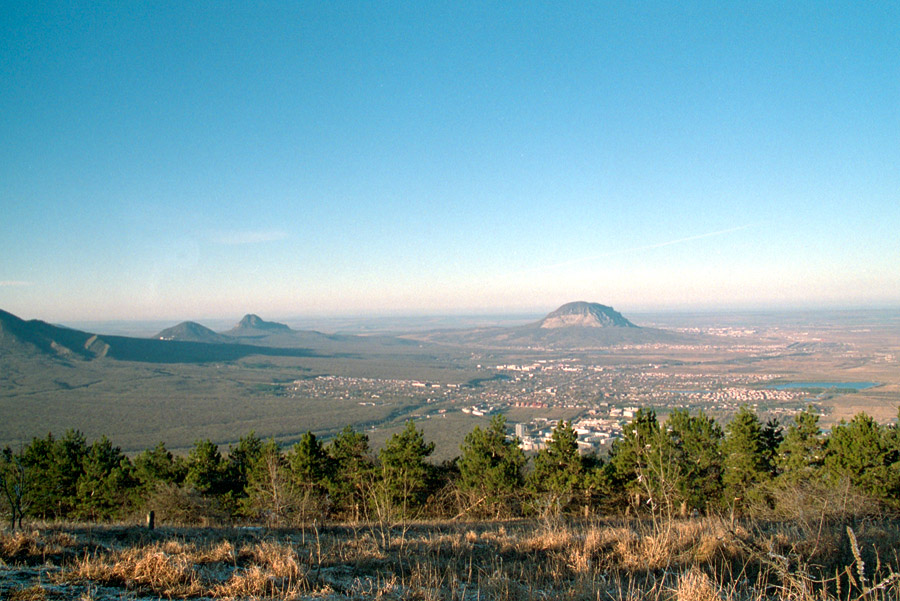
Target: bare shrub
x,y
183,506
809,502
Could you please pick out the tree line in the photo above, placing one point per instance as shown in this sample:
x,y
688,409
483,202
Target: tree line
x,y
687,465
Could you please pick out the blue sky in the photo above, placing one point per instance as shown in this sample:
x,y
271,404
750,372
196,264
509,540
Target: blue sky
x,y
189,160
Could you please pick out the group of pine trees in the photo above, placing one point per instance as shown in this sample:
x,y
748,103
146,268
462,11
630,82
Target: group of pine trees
x,y
688,464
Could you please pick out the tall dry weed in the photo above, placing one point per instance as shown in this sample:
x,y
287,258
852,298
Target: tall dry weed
x,y
696,585
148,568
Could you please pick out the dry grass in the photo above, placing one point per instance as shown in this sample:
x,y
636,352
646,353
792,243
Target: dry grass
x,y
695,585
31,593
696,560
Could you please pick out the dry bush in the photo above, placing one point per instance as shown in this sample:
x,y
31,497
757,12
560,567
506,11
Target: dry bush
x,y
181,506
177,547
808,503
257,581
695,585
222,552
554,539
280,560
21,546
361,548
30,593
150,568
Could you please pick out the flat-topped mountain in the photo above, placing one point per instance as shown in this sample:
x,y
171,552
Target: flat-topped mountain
x,y
585,315
573,326
191,331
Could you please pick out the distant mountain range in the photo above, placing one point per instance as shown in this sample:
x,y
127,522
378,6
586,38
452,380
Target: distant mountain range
x,y
578,325
180,344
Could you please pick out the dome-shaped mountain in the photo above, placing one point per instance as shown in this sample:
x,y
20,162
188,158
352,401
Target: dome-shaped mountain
x,y
585,315
191,331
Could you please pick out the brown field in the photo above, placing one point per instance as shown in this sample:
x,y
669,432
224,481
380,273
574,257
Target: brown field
x,y
687,560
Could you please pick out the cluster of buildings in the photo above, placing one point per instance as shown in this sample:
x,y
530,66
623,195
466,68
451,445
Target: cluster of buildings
x,y
604,398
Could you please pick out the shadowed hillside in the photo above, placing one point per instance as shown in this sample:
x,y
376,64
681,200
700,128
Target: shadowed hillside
x,y
19,337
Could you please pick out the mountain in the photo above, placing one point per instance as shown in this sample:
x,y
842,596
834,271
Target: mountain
x,y
255,326
585,315
191,331
39,337
573,326
28,339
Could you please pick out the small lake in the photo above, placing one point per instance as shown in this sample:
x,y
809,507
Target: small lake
x,y
825,385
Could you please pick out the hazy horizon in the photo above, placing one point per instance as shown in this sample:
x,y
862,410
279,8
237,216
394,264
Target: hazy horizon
x,y
409,322
190,162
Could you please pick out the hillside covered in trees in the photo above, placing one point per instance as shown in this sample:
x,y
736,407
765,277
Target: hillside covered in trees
x,y
690,465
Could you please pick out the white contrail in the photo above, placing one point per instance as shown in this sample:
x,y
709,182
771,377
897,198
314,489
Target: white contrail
x,y
15,283
637,249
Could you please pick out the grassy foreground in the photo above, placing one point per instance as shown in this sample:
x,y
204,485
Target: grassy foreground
x,y
694,559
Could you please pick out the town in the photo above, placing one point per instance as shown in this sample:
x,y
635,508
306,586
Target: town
x,y
600,399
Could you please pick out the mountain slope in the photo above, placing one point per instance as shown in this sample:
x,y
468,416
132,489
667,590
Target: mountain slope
x,y
585,315
24,339
573,326
190,331
39,337
254,326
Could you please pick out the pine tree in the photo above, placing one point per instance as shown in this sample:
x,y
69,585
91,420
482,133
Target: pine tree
x,y
236,469
310,463
271,491
353,471
696,441
55,466
158,465
404,473
106,485
635,457
311,473
772,437
861,453
490,467
206,470
801,453
744,457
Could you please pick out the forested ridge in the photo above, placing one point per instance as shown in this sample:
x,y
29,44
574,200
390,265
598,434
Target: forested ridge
x,y
688,465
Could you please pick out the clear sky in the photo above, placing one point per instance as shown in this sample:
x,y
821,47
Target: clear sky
x,y
207,159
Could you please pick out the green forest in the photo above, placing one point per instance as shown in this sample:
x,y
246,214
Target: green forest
x,y
688,465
